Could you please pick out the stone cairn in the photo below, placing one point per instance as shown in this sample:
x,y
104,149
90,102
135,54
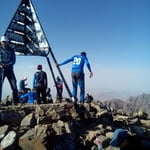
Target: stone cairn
x,y
65,126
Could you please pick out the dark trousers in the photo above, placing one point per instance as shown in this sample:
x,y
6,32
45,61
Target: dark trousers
x,y
59,93
78,79
40,94
9,73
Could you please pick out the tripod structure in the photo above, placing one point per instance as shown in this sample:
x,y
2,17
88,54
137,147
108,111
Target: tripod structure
x,y
28,38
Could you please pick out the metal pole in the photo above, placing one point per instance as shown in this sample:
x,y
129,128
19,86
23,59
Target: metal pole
x,y
1,82
61,74
52,72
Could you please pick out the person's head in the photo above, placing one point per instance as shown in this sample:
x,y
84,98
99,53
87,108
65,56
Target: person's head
x,y
39,67
4,41
48,90
119,137
57,78
83,53
29,90
24,78
33,90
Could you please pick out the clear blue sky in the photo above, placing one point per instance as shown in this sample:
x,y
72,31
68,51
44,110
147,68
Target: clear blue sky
x,y
114,33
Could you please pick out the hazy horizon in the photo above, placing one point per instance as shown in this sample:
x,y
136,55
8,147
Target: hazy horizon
x,y
101,86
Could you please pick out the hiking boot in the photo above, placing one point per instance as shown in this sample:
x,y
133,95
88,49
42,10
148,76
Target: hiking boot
x,y
81,102
74,100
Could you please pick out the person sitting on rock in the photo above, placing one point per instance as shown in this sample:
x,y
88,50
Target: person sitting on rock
x,y
49,96
29,97
22,85
122,139
88,98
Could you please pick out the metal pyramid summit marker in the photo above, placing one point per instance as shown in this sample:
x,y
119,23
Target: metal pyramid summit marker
x,y
27,37
25,32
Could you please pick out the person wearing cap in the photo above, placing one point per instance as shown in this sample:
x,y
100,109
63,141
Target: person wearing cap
x,y
40,84
7,61
77,74
123,140
23,84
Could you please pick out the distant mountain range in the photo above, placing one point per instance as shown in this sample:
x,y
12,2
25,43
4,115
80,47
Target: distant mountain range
x,y
132,104
105,93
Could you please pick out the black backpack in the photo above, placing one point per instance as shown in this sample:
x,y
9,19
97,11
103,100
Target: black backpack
x,y
40,79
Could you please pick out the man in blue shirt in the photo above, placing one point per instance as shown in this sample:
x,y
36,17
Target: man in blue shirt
x,y
7,61
77,74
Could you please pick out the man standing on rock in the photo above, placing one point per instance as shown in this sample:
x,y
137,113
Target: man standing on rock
x,y
40,84
77,74
7,61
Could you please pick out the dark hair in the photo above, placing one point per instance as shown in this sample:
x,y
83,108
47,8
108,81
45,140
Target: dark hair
x,y
39,67
83,53
48,90
58,78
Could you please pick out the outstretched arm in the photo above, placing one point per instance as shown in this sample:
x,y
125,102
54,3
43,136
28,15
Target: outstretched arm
x,y
65,62
89,67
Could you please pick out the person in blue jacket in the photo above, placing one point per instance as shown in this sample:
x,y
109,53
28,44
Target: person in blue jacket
x,y
77,74
29,97
7,61
125,141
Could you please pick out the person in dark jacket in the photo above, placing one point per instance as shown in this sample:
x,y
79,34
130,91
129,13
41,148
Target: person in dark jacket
x,y
125,141
40,84
7,61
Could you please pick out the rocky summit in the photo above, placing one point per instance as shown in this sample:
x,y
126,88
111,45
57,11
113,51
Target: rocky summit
x,y
66,126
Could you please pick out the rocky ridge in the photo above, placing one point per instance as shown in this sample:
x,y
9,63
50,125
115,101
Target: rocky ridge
x,y
65,126
132,104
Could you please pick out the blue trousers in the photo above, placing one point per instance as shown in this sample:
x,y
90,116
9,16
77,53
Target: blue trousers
x,y
9,73
78,79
